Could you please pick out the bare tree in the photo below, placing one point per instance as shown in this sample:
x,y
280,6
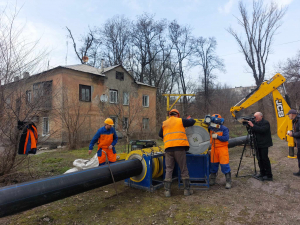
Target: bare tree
x,y
182,41
147,37
89,48
74,117
17,57
208,61
259,26
116,40
291,70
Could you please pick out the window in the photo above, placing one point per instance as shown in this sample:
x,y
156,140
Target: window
x,y
125,98
145,123
146,100
125,123
7,102
42,93
84,93
45,126
28,96
42,89
119,75
113,96
115,119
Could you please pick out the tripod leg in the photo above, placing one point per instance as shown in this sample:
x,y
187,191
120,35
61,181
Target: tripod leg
x,y
237,172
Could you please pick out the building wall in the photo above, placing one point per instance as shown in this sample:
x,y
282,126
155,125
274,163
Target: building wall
x,y
66,105
95,112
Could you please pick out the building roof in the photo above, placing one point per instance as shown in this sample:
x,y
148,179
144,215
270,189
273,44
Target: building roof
x,y
89,69
140,83
92,70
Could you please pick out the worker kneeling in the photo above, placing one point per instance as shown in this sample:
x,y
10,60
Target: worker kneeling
x,y
107,138
176,145
219,136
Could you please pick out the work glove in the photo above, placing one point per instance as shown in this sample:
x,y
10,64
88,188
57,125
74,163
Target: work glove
x,y
214,136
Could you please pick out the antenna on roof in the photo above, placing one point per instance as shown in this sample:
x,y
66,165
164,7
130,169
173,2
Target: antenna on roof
x,y
67,53
102,65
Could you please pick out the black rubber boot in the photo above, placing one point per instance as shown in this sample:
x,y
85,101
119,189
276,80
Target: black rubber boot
x,y
212,179
167,185
228,180
297,174
186,186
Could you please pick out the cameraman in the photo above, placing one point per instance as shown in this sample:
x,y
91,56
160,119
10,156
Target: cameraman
x,y
261,129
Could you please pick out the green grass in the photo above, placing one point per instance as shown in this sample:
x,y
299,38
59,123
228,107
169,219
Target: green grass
x,y
59,161
134,206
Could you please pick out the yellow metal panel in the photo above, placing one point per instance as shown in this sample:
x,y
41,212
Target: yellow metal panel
x,y
264,89
121,156
283,121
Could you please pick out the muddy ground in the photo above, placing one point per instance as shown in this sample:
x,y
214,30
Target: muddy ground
x,y
248,202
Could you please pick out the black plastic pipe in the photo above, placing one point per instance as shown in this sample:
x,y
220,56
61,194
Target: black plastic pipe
x,y
232,142
24,196
237,141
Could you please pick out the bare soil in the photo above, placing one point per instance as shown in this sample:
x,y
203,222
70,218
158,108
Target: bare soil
x,y
248,202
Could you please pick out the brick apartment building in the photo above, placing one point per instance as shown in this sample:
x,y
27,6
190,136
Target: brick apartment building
x,y
81,94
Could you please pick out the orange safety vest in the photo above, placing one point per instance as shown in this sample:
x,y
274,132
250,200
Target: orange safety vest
x,y
217,143
174,133
105,140
33,138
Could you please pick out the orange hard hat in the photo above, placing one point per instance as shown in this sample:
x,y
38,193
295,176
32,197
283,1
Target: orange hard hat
x,y
109,121
217,115
174,110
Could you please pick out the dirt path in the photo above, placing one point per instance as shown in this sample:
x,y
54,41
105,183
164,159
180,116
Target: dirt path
x,y
249,201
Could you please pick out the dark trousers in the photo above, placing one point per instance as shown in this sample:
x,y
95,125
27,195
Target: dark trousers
x,y
180,158
264,162
298,157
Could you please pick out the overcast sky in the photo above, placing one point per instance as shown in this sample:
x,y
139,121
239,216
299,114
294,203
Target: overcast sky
x,y
46,20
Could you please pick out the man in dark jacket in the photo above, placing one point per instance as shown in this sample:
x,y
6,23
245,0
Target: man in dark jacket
x,y
262,131
295,133
176,144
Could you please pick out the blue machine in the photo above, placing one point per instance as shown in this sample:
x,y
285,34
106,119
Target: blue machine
x,y
145,180
198,166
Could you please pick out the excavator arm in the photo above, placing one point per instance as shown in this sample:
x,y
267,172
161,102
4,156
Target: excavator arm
x,y
281,106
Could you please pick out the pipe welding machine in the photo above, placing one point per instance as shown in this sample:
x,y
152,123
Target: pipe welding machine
x,y
152,160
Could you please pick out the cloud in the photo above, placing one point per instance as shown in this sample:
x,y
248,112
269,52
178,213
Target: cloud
x,y
283,2
227,7
133,4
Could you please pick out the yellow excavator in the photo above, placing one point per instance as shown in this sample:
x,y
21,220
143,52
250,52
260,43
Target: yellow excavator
x,y
281,105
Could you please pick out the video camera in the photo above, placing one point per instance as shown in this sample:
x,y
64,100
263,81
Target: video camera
x,y
213,121
246,119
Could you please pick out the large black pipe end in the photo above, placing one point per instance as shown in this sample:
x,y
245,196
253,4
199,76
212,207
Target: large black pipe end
x,y
24,196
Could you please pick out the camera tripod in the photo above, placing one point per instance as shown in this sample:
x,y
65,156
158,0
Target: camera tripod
x,y
251,141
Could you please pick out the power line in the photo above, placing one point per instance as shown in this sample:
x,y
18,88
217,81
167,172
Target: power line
x,y
274,45
287,43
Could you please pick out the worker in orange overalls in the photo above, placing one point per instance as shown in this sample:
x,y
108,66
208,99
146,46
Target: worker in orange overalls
x,y
107,138
219,137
